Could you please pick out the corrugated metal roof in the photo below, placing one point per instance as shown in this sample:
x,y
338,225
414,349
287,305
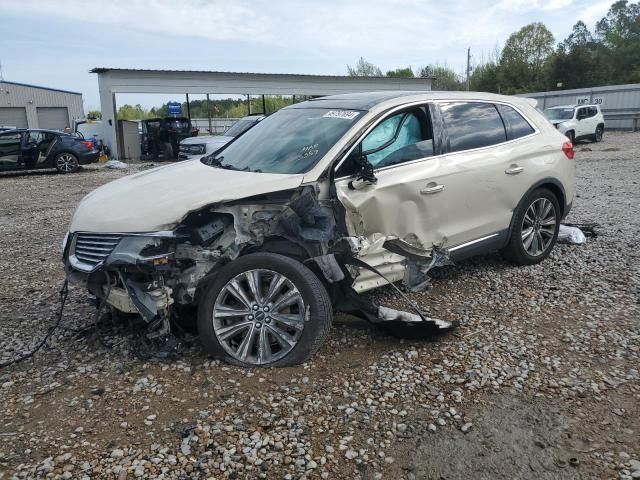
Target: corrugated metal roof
x,y
37,86
109,69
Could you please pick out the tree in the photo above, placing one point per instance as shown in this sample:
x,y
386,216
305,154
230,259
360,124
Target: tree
x,y
525,59
485,78
619,33
364,69
444,78
401,73
97,114
579,61
128,112
620,25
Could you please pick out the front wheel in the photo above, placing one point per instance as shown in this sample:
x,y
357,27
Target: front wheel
x,y
571,136
66,162
264,310
535,228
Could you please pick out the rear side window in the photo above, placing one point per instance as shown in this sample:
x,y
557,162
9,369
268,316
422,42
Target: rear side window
x,y
515,123
472,125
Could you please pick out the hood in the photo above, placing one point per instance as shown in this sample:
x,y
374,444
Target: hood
x,y
159,198
208,139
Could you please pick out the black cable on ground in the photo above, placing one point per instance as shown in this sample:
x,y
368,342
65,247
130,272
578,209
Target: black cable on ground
x,y
64,292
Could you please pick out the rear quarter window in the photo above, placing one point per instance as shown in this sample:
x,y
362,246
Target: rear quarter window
x,y
472,125
515,123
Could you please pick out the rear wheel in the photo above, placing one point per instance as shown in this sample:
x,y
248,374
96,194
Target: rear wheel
x,y
66,162
597,137
264,310
535,228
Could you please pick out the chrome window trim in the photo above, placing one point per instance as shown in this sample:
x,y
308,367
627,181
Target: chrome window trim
x,y
536,131
472,242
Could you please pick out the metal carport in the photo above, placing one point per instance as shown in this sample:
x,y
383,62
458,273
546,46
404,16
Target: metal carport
x,y
117,80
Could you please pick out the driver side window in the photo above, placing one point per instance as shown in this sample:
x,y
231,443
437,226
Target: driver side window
x,y
400,138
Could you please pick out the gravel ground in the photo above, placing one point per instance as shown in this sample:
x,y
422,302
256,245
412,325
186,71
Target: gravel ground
x,y
540,381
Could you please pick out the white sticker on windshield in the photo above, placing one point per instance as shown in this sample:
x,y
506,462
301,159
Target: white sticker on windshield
x,y
344,114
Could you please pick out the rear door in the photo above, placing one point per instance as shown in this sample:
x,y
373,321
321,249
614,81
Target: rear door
x,y
10,150
473,174
37,146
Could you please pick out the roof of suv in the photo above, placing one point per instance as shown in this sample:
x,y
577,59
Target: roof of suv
x,y
368,100
20,130
573,106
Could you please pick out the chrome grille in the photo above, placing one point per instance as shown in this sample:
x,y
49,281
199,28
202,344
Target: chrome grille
x,y
90,249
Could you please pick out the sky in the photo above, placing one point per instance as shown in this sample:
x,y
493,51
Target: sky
x,y
56,43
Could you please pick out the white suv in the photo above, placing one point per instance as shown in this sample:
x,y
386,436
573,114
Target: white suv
x,y
317,203
584,122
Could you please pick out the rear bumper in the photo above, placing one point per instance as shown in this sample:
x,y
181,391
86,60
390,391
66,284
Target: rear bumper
x,y
89,157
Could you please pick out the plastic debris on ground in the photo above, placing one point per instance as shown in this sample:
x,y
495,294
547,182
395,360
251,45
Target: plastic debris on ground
x,y
569,234
116,165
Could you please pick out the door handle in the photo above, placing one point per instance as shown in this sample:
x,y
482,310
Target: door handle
x,y
514,170
432,188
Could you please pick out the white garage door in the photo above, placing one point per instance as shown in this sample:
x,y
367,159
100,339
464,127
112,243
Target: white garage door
x,y
13,117
53,118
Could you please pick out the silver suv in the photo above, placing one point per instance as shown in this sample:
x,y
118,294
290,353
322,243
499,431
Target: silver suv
x,y
194,148
317,203
584,122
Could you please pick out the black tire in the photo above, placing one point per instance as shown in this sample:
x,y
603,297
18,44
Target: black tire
x,y
597,137
66,162
571,136
516,250
318,314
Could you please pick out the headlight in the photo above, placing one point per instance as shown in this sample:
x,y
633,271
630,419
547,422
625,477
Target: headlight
x,y
193,149
132,250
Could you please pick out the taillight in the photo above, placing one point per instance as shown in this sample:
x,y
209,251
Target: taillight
x,y
567,149
87,144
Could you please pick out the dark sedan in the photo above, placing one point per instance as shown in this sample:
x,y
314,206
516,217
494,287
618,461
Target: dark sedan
x,y
22,149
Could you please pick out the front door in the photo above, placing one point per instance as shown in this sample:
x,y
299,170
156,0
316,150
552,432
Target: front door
x,y
584,127
10,150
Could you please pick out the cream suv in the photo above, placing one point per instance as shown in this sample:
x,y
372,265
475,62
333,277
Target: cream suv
x,y
316,204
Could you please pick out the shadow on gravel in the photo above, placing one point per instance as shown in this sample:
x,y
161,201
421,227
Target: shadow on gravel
x,y
40,172
513,437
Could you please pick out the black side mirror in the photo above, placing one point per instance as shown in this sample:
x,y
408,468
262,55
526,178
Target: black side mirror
x,y
364,170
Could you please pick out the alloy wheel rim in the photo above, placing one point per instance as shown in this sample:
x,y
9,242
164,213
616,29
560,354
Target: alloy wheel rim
x,y
598,134
259,316
66,162
538,227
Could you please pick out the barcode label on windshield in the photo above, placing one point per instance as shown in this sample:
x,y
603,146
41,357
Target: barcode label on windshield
x,y
344,114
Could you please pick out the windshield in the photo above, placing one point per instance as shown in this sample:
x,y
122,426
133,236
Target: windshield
x,y
559,113
239,128
289,141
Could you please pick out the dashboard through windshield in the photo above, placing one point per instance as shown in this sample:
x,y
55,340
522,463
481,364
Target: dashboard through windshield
x,y
290,141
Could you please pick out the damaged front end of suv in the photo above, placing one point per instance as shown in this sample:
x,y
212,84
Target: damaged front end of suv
x,y
266,258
